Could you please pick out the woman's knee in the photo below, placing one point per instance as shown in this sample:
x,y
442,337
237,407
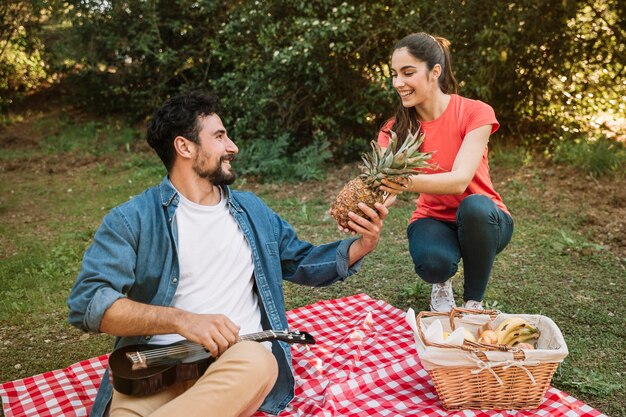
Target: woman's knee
x,y
435,273
477,208
434,248
435,267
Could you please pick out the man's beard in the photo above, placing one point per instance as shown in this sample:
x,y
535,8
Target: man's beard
x,y
217,176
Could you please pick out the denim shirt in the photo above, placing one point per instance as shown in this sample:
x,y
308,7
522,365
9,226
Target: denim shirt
x,y
134,255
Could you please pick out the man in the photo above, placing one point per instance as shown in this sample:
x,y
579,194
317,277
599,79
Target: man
x,y
192,259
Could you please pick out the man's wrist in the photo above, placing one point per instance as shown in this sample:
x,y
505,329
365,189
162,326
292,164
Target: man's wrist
x,y
179,319
358,249
365,247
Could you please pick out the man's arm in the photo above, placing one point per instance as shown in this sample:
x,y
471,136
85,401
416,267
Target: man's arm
x,y
125,317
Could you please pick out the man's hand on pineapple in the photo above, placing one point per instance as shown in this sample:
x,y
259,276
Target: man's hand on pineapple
x,y
362,225
370,226
369,229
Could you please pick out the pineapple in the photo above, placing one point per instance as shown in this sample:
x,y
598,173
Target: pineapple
x,y
378,165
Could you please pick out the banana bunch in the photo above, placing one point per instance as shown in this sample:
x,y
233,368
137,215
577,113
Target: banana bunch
x,y
516,330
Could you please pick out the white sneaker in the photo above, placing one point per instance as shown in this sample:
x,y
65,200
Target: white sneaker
x,y
442,297
474,305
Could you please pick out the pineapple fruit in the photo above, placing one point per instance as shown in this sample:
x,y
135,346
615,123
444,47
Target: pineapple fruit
x,y
389,164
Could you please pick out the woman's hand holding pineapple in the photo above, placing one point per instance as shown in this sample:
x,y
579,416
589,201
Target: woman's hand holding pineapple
x,y
397,186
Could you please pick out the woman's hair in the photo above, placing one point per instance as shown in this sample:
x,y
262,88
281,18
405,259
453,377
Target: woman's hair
x,y
432,50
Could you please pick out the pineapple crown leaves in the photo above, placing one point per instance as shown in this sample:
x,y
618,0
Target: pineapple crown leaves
x,y
389,162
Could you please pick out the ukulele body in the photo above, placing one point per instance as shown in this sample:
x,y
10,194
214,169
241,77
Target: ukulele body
x,y
156,378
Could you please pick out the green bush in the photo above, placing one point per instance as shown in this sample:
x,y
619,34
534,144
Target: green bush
x,y
597,158
133,54
22,67
271,159
318,70
305,68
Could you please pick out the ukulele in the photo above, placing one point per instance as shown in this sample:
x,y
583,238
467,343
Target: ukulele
x,y
147,369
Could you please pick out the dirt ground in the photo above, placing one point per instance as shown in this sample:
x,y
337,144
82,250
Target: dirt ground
x,y
601,203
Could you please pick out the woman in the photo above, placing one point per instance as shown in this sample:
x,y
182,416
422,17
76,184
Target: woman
x,y
459,215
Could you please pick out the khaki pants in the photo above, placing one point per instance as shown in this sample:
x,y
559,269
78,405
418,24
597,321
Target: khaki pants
x,y
234,385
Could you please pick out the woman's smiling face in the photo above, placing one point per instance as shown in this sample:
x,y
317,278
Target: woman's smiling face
x,y
412,79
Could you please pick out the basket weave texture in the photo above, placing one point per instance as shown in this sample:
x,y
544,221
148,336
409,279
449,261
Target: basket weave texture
x,y
514,384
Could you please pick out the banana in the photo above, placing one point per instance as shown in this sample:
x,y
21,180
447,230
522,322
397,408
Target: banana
x,y
511,321
508,325
524,338
519,334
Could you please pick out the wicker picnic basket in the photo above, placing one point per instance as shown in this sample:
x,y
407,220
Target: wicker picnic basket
x,y
482,376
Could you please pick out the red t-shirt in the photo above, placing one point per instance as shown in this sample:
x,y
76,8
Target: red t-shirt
x,y
444,137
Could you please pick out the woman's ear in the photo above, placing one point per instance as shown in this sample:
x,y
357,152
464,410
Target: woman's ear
x,y
436,72
183,147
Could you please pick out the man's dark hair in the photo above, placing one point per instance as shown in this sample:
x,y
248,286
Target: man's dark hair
x,y
178,116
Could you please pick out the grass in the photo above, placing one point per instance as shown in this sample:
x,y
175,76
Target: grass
x,y
54,193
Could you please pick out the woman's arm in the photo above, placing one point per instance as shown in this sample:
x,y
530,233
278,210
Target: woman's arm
x,y
454,182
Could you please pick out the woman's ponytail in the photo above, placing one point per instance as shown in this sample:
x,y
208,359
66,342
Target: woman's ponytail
x,y
447,82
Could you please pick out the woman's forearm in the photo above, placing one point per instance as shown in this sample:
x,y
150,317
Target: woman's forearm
x,y
444,183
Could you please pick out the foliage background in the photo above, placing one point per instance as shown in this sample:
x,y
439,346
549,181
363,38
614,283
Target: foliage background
x,y
313,76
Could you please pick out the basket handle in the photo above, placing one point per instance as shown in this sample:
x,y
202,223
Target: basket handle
x,y
457,312
418,319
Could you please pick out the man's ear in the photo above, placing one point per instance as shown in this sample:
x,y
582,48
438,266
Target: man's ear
x,y
184,147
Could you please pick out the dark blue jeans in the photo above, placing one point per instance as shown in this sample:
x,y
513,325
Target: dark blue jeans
x,y
481,231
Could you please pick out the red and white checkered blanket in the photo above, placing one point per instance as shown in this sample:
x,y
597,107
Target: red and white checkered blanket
x,y
364,364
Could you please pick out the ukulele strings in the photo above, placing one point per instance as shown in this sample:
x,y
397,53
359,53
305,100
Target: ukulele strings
x,y
193,347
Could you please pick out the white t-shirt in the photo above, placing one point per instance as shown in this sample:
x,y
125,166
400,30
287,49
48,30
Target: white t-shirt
x,y
216,268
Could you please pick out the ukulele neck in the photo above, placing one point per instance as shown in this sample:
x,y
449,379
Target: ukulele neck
x,y
180,351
